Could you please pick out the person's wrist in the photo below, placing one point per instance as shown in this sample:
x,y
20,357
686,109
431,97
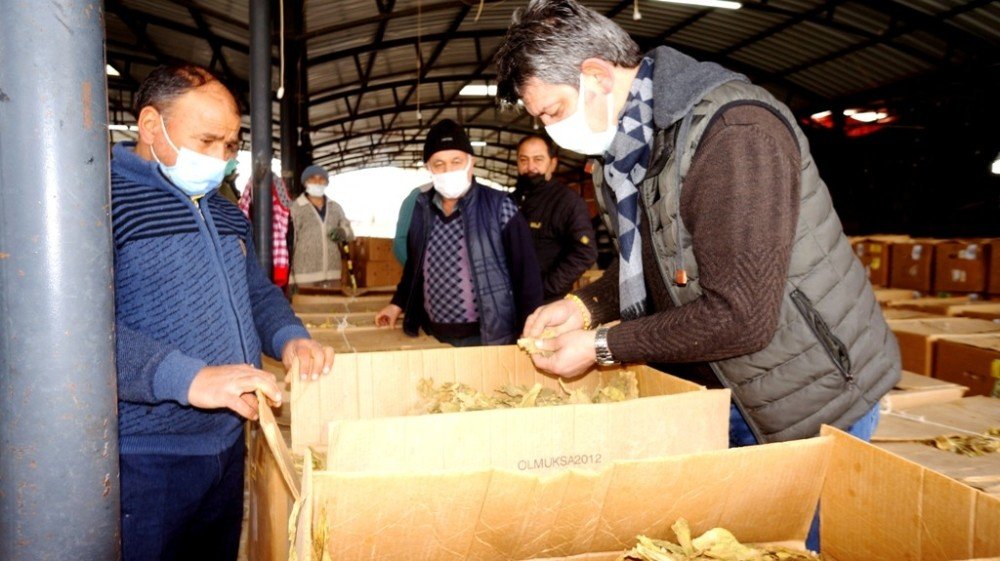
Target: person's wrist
x,y
602,352
584,312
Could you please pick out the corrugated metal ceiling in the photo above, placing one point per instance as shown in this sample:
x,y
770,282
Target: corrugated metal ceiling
x,y
812,53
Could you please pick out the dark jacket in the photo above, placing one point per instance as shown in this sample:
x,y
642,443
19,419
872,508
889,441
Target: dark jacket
x,y
504,269
188,294
563,237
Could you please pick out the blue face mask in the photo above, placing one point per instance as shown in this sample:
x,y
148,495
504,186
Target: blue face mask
x,y
194,173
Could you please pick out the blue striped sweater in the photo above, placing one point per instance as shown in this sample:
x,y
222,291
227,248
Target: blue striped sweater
x,y
188,293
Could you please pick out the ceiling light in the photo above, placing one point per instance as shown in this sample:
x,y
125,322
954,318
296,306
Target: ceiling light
x,y
111,70
821,115
479,89
725,4
868,116
995,168
478,143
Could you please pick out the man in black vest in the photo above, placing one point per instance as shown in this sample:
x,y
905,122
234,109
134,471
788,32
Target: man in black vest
x,y
561,232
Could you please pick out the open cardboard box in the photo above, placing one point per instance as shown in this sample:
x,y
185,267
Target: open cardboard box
x,y
980,310
913,390
874,506
366,400
885,296
309,303
918,337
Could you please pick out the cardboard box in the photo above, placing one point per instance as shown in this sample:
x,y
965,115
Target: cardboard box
x,y
305,304
378,339
372,249
374,274
876,257
960,266
970,361
366,399
994,276
886,296
874,506
900,313
912,265
931,305
905,432
355,320
914,390
979,310
917,338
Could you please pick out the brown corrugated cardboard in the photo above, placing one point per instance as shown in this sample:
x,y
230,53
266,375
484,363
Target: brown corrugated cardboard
x,y
372,249
876,257
969,361
874,506
917,337
905,432
979,310
365,389
885,296
994,276
307,304
932,305
913,265
900,313
914,390
375,273
960,266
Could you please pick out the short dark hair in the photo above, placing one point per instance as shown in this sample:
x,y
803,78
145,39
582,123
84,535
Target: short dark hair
x,y
166,83
553,151
550,39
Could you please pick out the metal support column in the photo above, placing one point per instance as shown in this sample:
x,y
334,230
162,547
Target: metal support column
x,y
59,493
260,128
290,128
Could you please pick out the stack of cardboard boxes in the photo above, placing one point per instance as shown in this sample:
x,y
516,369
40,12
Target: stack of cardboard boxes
x,y
374,263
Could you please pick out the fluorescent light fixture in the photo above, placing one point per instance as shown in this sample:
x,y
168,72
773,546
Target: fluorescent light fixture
x,y
868,116
821,115
724,4
479,89
123,128
479,143
995,168
111,70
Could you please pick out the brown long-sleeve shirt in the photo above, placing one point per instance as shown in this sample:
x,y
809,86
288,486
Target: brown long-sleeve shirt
x,y
740,201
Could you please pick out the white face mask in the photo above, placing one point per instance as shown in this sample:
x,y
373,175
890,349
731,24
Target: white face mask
x,y
193,173
453,184
315,189
573,132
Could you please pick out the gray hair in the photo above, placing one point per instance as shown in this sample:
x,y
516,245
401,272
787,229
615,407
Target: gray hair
x,y
550,39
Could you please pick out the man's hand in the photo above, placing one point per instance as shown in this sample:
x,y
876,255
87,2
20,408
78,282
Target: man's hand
x,y
388,316
314,359
561,316
572,353
232,386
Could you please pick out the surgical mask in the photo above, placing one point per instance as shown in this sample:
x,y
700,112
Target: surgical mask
x,y
315,189
453,184
573,132
193,173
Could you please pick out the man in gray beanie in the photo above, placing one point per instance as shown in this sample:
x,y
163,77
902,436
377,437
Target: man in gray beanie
x,y
318,228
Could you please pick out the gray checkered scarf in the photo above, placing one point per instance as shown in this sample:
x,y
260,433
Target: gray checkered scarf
x,y
625,166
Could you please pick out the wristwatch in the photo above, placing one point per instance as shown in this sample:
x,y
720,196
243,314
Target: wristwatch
x,y
604,357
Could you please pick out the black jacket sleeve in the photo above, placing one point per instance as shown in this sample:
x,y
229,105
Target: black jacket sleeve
x,y
579,247
526,276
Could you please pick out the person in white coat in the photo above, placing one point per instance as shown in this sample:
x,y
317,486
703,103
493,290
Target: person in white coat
x,y
319,227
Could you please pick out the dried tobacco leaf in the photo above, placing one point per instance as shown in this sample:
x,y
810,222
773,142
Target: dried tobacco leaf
x,y
968,445
716,544
530,346
451,397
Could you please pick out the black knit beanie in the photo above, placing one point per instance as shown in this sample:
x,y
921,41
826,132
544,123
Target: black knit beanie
x,y
446,135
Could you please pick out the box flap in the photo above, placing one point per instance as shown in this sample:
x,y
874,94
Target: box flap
x,y
762,494
533,439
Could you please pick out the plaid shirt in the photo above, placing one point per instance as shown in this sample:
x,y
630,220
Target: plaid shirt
x,y
279,223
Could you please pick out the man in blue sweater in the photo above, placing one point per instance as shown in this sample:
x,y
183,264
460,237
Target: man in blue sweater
x,y
193,312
